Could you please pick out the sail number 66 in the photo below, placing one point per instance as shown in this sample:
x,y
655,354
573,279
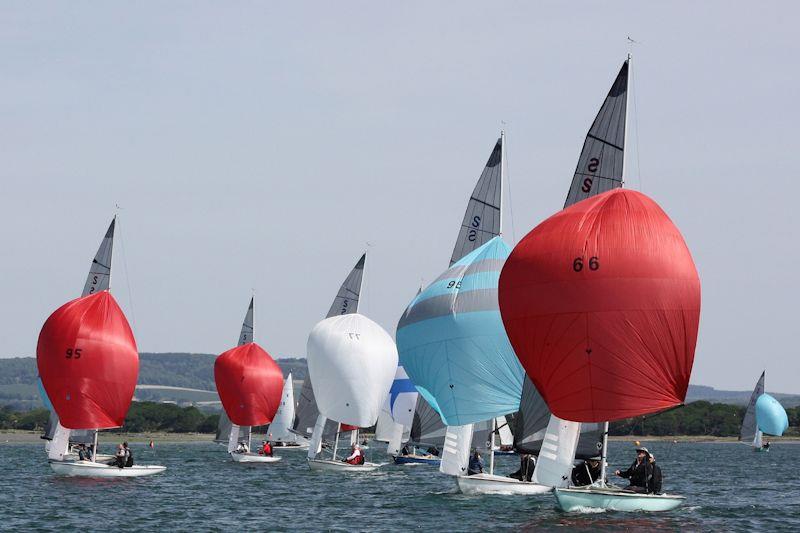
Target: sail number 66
x,y
577,264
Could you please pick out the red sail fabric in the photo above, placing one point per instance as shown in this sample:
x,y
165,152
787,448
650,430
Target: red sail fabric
x,y
347,427
88,362
249,383
601,303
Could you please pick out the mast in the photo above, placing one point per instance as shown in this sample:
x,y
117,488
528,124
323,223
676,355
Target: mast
x,y
491,447
604,455
625,131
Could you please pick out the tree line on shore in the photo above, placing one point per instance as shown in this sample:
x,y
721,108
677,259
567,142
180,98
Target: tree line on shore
x,y
696,418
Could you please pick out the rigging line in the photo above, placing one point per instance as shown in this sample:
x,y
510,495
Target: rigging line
x,y
636,124
510,201
127,276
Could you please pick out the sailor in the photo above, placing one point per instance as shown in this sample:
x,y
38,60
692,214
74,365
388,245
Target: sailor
x,y
83,453
242,448
266,448
119,457
654,483
766,445
405,450
640,472
475,464
527,463
433,450
586,472
356,456
128,455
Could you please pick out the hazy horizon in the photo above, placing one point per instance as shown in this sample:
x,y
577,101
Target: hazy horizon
x,y
260,147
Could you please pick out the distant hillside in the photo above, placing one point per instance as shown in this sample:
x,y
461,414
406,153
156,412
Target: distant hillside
x,y
196,371
191,371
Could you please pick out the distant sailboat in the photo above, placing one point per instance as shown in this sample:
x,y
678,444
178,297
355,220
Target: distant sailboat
x,y
420,427
249,383
60,438
351,363
451,338
89,364
279,433
764,415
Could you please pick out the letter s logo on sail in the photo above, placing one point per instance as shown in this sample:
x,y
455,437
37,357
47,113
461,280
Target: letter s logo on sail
x,y
476,221
587,185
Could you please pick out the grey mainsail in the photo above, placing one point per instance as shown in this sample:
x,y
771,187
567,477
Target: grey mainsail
x,y
530,426
99,279
482,220
345,302
602,160
246,335
749,426
427,427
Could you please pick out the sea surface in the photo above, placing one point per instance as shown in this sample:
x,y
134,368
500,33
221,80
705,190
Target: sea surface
x,y
728,488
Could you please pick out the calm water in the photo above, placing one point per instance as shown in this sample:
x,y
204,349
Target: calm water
x,y
729,488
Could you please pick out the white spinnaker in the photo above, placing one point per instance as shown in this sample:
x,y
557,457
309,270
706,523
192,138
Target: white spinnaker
x,y
455,452
556,457
758,440
315,446
59,446
506,438
284,417
351,362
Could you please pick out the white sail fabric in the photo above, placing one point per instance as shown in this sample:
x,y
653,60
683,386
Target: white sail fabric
x,y
482,220
503,428
58,447
246,335
455,452
749,433
279,428
233,438
600,165
554,467
385,427
315,446
99,277
396,439
352,362
758,441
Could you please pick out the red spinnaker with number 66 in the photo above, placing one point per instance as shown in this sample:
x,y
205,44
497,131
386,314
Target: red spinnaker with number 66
x,y
88,362
601,303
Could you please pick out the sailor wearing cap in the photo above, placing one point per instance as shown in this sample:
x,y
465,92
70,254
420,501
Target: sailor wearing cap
x,y
640,474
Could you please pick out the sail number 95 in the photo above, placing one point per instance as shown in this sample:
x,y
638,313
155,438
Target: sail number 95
x,y
578,264
74,353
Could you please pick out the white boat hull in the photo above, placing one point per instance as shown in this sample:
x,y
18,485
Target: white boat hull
x,y
339,466
90,469
615,500
303,446
491,484
254,458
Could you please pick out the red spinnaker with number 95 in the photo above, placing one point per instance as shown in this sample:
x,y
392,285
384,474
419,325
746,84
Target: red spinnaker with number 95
x,y
601,303
249,383
88,362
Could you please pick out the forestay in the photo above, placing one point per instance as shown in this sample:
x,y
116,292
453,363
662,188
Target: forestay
x,y
483,216
600,165
453,345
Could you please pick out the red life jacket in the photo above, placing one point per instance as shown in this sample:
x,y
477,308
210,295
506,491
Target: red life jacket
x,y
267,449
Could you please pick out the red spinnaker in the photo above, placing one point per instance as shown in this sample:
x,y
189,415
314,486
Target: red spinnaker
x,y
347,427
601,303
249,383
88,362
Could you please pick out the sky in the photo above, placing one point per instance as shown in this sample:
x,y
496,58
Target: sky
x,y
259,146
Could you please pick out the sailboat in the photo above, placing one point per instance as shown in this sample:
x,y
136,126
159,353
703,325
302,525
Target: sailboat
x,y
351,363
764,415
60,439
249,383
307,413
279,433
451,338
88,363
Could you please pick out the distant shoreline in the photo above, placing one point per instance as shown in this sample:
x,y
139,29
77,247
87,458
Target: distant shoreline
x,y
18,436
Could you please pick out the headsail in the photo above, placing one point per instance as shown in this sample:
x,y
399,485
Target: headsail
x,y
427,426
749,426
482,221
600,165
279,429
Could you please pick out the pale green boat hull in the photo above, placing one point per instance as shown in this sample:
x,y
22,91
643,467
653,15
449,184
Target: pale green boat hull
x,y
614,499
